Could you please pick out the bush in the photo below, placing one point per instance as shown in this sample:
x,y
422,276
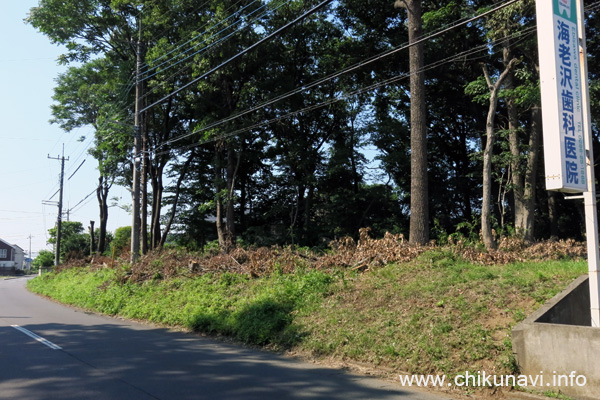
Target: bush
x,y
122,240
45,259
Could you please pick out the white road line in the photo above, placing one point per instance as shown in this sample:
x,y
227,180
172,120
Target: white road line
x,y
38,338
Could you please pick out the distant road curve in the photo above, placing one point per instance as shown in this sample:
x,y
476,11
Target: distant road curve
x,y
48,351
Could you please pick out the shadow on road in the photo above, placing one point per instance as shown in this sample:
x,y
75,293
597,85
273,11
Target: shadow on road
x,y
121,360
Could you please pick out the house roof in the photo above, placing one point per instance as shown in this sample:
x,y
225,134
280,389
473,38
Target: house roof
x,y
8,244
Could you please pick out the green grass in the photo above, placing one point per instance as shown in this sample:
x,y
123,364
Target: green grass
x,y
437,314
258,311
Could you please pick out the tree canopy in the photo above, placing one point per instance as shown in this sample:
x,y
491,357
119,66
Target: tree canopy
x,y
417,117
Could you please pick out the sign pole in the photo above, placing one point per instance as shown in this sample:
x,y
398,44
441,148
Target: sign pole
x,y
568,150
589,197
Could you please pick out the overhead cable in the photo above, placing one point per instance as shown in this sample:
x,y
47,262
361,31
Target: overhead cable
x,y
336,74
194,38
241,53
388,81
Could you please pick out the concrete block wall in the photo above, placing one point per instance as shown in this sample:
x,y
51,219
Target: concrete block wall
x,y
558,343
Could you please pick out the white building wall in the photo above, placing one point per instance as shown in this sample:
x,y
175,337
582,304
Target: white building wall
x,y
19,258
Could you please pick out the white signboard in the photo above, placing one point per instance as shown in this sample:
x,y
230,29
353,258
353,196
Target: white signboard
x,y
564,148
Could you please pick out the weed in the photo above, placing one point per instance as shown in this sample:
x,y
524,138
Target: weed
x,y
431,311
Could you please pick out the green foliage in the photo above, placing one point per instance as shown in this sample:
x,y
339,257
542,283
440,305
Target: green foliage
x,y
437,315
74,243
479,90
468,230
121,240
45,258
318,174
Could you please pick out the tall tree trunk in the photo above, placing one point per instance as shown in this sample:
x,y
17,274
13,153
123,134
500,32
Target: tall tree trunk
x,y
233,164
486,207
353,163
102,195
297,223
516,167
243,202
524,177
532,169
419,196
92,238
219,187
553,214
157,194
465,187
144,191
524,169
308,201
225,172
219,222
175,200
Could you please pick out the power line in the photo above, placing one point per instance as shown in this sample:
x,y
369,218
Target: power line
x,y
196,37
388,81
336,74
241,53
80,165
162,84
72,209
218,42
121,102
172,11
55,193
210,47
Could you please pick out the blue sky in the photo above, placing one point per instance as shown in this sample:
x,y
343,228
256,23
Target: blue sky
x,y
28,68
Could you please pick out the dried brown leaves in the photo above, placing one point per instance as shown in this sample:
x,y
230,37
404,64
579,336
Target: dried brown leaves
x,y
369,252
512,250
360,255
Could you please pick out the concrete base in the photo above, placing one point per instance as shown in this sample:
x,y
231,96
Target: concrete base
x,y
558,343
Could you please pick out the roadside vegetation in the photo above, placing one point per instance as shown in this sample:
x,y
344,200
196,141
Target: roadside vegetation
x,y
380,303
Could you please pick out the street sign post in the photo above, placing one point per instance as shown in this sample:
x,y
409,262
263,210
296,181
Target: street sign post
x,y
562,108
568,154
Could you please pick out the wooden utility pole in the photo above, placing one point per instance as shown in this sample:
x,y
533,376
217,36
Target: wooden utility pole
x,y
92,237
60,204
30,259
135,194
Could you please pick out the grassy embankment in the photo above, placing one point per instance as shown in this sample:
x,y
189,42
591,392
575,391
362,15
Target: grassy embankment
x,y
435,314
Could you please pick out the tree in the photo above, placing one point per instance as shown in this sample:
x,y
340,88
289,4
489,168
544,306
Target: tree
x,y
88,95
74,242
490,135
44,259
122,240
87,27
523,97
419,198
521,177
296,168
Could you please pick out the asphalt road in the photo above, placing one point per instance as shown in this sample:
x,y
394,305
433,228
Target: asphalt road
x,y
48,351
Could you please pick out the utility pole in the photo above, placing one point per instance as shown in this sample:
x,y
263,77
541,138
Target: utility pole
x,y
29,262
60,204
135,193
92,238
